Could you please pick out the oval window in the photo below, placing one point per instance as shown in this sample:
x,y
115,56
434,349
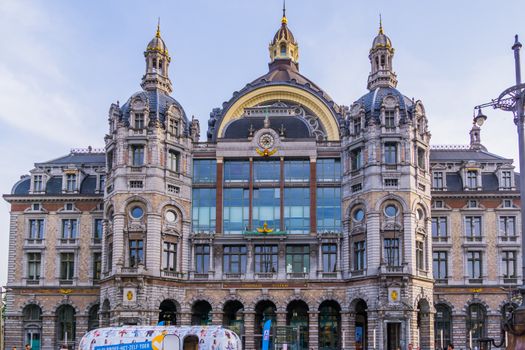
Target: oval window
x,y
170,216
137,212
359,215
390,210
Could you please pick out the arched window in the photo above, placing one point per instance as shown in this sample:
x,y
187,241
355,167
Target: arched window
x,y
105,313
476,328
201,313
442,326
297,317
283,50
32,313
32,325
233,316
329,325
93,317
168,312
66,324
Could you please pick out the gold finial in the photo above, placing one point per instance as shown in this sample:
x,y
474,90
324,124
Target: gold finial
x,y
158,29
284,20
380,25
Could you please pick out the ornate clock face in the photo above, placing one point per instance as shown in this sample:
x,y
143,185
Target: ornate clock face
x,y
266,141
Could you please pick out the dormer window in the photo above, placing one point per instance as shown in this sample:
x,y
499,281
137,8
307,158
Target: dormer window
x,y
38,183
472,179
357,126
71,182
173,127
437,180
101,182
506,177
138,121
390,122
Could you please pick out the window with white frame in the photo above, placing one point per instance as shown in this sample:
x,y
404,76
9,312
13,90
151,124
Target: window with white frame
x,y
472,179
440,265
138,120
137,155
506,177
69,229
437,180
509,263
474,265
420,255
439,228
173,127
356,158
71,182
169,257
507,227
38,183
359,255
390,122
34,261
67,266
473,228
36,229
173,160
390,149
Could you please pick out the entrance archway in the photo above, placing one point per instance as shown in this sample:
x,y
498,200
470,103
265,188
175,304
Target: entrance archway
x,y
423,324
168,312
264,310
201,313
297,317
361,325
329,325
233,317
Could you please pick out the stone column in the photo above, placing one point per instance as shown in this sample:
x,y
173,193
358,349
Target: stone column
x,y
459,331
81,328
281,318
348,330
373,244
249,329
118,243
313,335
374,327
185,318
48,336
152,260
216,318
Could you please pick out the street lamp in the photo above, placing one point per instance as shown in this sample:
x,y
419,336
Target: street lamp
x,y
512,100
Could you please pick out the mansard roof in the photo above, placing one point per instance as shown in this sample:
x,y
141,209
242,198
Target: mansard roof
x,y
372,102
79,158
450,153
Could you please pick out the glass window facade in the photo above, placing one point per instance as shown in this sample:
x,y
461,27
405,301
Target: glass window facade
x,y
297,170
329,209
328,170
236,210
267,207
297,210
204,171
236,171
297,259
203,210
267,171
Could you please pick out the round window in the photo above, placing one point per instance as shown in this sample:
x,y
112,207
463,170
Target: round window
x,y
390,210
359,215
170,216
137,212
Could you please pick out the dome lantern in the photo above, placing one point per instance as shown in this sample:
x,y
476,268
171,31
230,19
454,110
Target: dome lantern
x,y
157,64
283,45
381,55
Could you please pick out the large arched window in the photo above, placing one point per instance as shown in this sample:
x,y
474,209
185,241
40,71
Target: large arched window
x,y
105,313
66,324
297,317
201,313
93,317
32,325
329,325
442,326
476,328
168,312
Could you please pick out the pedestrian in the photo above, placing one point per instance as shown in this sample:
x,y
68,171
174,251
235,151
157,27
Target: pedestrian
x,y
450,346
28,347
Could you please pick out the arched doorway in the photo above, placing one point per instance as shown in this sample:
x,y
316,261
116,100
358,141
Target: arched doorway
x,y
233,317
105,314
201,313
33,325
361,325
66,326
423,324
476,328
168,312
442,326
329,325
93,317
191,342
297,318
264,310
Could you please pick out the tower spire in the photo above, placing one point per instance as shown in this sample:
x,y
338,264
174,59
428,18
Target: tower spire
x,y
158,28
283,46
381,54
157,64
284,20
380,25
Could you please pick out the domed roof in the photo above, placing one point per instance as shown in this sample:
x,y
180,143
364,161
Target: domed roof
x,y
284,33
372,102
158,103
381,40
157,44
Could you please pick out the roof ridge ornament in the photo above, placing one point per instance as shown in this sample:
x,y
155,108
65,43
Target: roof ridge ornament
x,y
380,24
158,28
284,20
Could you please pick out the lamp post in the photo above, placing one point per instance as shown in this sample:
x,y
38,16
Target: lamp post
x,y
512,100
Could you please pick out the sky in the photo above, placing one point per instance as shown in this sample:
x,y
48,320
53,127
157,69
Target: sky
x,y
62,63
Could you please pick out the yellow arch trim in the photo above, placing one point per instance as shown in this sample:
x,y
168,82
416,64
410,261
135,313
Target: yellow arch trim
x,y
283,93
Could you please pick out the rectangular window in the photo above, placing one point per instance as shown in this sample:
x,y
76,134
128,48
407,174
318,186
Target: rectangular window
x,y
71,182
329,209
109,257
474,266
136,184
173,160
69,229
356,159
421,159
136,252
173,127
359,255
391,182
234,259
266,258
509,264
440,265
97,266
357,126
169,257
36,229
473,228
390,122
506,179
437,180
203,210
33,266
202,258
236,171
297,259
137,155
204,170
328,170
101,182
297,210
139,121
266,171
267,207
97,230
297,170
390,153
37,183
329,257
235,210
439,229
67,266
507,227
391,251
472,179
420,255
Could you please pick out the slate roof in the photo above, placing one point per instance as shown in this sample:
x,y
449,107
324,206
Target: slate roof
x,y
94,158
373,100
443,155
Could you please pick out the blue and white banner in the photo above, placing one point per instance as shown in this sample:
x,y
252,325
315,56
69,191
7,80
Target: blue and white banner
x,y
266,335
